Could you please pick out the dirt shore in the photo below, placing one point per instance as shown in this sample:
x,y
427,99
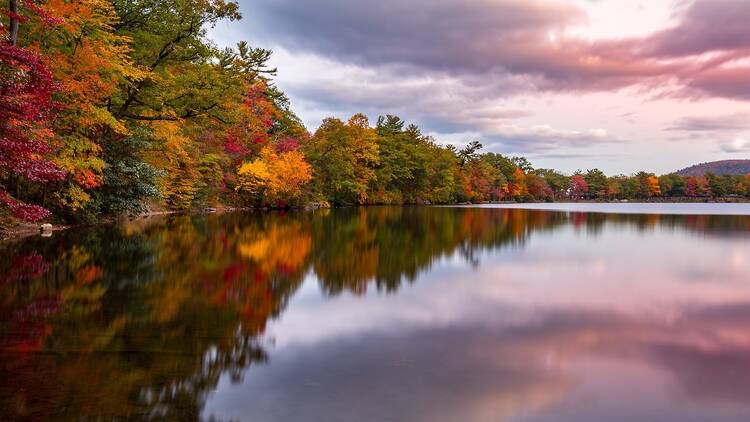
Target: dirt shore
x,y
17,230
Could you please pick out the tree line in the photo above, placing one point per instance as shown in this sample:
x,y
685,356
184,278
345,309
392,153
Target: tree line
x,y
114,106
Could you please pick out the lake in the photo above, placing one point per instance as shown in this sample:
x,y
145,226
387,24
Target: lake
x,y
384,314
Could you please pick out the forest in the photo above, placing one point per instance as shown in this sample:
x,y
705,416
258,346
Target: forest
x,y
112,107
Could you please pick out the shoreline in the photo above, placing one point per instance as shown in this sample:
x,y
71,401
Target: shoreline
x,y
23,230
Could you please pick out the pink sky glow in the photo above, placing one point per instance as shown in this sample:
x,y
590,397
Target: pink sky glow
x,y
622,86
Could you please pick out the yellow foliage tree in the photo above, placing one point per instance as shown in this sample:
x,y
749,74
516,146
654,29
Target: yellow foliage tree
x,y
275,176
176,157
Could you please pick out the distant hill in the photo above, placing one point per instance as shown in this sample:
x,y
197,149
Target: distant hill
x,y
718,168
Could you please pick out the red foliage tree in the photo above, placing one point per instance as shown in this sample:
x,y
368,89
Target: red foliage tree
x,y
579,188
287,144
253,131
26,106
691,188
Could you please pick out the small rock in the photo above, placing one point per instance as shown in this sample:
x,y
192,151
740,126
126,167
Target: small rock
x,y
312,206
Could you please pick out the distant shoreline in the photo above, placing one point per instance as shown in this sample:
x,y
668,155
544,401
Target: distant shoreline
x,y
695,209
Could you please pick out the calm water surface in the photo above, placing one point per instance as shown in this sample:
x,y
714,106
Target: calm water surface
x,y
381,314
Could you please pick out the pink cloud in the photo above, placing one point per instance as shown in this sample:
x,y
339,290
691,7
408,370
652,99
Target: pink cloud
x,y
513,37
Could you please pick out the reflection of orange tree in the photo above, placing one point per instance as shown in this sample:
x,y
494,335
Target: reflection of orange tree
x,y
219,288
246,268
275,252
150,332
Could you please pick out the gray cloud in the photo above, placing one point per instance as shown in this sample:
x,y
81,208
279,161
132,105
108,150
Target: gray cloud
x,y
513,36
437,34
725,123
721,82
726,130
706,26
453,66
738,145
545,139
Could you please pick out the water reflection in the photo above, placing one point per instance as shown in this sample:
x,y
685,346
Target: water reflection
x,y
381,314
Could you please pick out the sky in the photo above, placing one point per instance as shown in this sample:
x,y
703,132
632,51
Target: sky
x,y
618,85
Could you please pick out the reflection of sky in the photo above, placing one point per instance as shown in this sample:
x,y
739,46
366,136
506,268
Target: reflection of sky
x,y
633,208
620,325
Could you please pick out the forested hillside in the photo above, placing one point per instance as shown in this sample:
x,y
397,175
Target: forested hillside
x,y
724,167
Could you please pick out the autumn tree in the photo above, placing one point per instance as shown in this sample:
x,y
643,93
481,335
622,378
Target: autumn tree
x,y
188,93
597,183
538,187
672,185
441,174
627,186
654,189
277,176
503,164
716,184
253,129
482,175
400,175
522,163
518,184
26,109
344,156
642,187
89,61
691,187
557,182
578,187
648,185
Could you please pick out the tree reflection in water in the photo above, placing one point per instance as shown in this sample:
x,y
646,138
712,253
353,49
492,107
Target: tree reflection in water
x,y
141,320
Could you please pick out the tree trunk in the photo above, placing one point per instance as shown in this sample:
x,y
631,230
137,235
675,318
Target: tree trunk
x,y
13,8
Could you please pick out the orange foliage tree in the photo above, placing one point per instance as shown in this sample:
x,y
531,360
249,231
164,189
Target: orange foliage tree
x,y
654,189
88,60
275,176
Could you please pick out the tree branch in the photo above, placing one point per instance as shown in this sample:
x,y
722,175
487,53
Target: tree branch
x,y
151,118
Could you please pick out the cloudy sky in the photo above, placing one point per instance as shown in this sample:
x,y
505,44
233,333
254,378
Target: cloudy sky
x,y
619,85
